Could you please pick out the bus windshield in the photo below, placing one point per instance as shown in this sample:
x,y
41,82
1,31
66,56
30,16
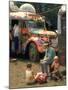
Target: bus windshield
x,y
36,24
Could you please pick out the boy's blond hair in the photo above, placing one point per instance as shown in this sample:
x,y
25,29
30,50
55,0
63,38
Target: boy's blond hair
x,y
56,57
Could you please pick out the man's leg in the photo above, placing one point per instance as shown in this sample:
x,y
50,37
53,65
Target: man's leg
x,y
46,68
42,67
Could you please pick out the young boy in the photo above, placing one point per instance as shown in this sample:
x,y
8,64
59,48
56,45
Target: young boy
x,y
29,74
56,75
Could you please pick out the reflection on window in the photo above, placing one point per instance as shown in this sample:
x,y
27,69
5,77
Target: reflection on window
x,y
35,24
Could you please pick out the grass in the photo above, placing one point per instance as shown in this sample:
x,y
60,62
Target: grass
x,y
17,75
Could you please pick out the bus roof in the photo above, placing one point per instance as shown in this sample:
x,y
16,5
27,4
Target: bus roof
x,y
25,15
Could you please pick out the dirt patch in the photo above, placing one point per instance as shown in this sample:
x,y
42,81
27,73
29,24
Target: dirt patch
x,y
17,75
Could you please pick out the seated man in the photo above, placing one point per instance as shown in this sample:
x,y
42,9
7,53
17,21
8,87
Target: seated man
x,y
48,58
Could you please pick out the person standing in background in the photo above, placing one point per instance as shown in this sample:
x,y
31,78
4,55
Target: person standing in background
x,y
16,38
10,42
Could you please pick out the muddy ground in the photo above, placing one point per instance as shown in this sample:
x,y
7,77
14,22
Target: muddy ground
x,y
17,75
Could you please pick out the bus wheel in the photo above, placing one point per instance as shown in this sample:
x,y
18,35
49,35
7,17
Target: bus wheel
x,y
33,53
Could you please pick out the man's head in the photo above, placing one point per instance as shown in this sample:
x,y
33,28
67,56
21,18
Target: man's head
x,y
46,45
